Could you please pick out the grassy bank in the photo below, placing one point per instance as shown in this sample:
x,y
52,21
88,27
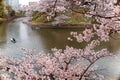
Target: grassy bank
x,y
75,20
62,26
2,20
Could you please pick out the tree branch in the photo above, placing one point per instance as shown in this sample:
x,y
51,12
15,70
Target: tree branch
x,y
86,71
96,15
90,66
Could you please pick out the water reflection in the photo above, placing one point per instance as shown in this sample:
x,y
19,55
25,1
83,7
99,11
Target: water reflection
x,y
2,33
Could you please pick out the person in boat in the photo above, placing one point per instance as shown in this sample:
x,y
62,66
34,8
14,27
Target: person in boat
x,y
13,40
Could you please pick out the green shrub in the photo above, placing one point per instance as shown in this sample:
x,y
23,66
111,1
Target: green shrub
x,y
2,12
20,14
36,15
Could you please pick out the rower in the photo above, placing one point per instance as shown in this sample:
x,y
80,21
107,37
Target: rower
x,y
13,40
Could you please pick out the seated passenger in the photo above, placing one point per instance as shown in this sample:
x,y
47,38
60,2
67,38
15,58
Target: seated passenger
x,y
13,40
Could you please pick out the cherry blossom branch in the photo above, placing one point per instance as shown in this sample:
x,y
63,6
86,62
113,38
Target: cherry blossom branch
x,y
89,66
96,15
118,2
85,71
51,77
54,7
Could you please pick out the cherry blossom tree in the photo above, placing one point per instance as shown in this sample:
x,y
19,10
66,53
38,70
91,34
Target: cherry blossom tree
x,y
105,12
68,64
53,7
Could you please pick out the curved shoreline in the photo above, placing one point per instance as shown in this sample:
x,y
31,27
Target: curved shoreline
x,y
61,26
7,19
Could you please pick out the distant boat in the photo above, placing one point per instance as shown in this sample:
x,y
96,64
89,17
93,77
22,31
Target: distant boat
x,y
35,28
13,40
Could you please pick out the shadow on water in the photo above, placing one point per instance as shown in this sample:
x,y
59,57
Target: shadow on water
x,y
2,33
112,45
57,38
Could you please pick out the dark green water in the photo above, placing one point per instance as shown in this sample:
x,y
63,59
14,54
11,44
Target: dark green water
x,y
45,39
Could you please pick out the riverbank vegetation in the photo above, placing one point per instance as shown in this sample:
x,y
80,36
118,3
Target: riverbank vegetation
x,y
2,12
20,14
7,13
61,13
39,18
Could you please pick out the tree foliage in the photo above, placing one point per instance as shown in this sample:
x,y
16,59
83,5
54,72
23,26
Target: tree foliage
x,y
2,12
11,12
